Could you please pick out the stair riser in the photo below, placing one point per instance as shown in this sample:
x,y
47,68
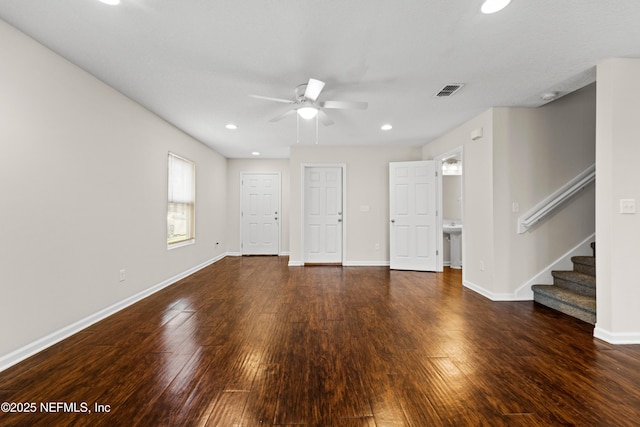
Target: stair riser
x,y
578,288
586,269
558,305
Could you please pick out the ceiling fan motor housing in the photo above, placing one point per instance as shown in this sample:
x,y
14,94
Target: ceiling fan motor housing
x,y
299,91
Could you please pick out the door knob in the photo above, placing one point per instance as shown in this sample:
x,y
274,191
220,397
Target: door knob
x,y
393,221
339,219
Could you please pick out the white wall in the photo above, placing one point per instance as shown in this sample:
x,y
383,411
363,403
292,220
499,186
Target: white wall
x,y
234,168
524,155
537,151
367,181
84,192
618,177
477,181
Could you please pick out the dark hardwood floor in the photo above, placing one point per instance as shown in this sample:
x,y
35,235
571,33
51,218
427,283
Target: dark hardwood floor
x,y
251,342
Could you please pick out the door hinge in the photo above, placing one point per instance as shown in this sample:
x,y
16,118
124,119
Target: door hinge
x,y
437,253
436,173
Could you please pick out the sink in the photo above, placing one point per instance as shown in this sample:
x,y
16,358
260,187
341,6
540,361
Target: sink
x,y
454,230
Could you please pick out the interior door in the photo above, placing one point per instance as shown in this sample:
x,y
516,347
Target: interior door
x,y
412,213
260,214
323,215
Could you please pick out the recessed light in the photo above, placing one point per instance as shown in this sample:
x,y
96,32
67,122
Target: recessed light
x,y
111,2
386,127
231,126
492,6
255,153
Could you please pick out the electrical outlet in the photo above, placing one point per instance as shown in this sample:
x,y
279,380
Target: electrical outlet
x,y
481,265
376,246
123,275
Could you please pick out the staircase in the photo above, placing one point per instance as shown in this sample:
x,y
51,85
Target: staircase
x,y
573,292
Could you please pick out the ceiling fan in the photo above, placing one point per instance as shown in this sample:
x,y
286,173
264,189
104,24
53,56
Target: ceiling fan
x,y
307,106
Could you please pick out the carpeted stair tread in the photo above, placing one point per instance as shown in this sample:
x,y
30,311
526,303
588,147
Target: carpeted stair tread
x,y
570,298
575,277
584,264
580,306
585,260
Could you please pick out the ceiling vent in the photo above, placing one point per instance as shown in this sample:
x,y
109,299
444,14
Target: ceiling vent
x,y
449,89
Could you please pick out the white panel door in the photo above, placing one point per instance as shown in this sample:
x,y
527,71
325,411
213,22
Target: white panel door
x,y
323,215
260,213
412,212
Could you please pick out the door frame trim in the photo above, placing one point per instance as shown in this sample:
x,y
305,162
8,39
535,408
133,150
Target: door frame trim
x,y
279,175
343,167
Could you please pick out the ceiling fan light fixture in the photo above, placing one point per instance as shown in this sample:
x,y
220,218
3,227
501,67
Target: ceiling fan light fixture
x,y
386,127
231,126
492,6
307,113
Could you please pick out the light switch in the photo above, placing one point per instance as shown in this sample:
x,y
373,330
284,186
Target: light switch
x,y
364,208
627,206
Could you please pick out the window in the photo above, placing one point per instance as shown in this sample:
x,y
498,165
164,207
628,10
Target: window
x,y
181,206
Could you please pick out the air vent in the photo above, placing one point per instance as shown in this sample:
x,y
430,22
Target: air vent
x,y
449,89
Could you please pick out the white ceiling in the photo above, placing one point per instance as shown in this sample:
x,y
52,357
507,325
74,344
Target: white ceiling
x,y
194,62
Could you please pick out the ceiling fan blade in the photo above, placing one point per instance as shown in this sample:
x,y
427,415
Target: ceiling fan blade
x,y
324,118
314,87
268,98
282,116
353,105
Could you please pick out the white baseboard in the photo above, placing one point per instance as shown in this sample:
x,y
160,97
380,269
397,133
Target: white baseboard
x,y
487,294
284,253
616,337
524,292
365,264
34,347
294,263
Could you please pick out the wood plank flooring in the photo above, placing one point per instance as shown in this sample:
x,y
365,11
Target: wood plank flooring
x,y
249,341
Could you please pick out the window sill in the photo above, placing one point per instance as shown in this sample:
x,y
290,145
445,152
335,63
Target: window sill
x,y
180,244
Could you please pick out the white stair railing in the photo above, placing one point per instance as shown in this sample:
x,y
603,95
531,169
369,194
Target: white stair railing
x,y
556,199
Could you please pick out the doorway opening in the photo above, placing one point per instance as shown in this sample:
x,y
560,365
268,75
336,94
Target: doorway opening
x,y
450,187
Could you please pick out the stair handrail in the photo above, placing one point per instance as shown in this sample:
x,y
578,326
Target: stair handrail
x,y
556,199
